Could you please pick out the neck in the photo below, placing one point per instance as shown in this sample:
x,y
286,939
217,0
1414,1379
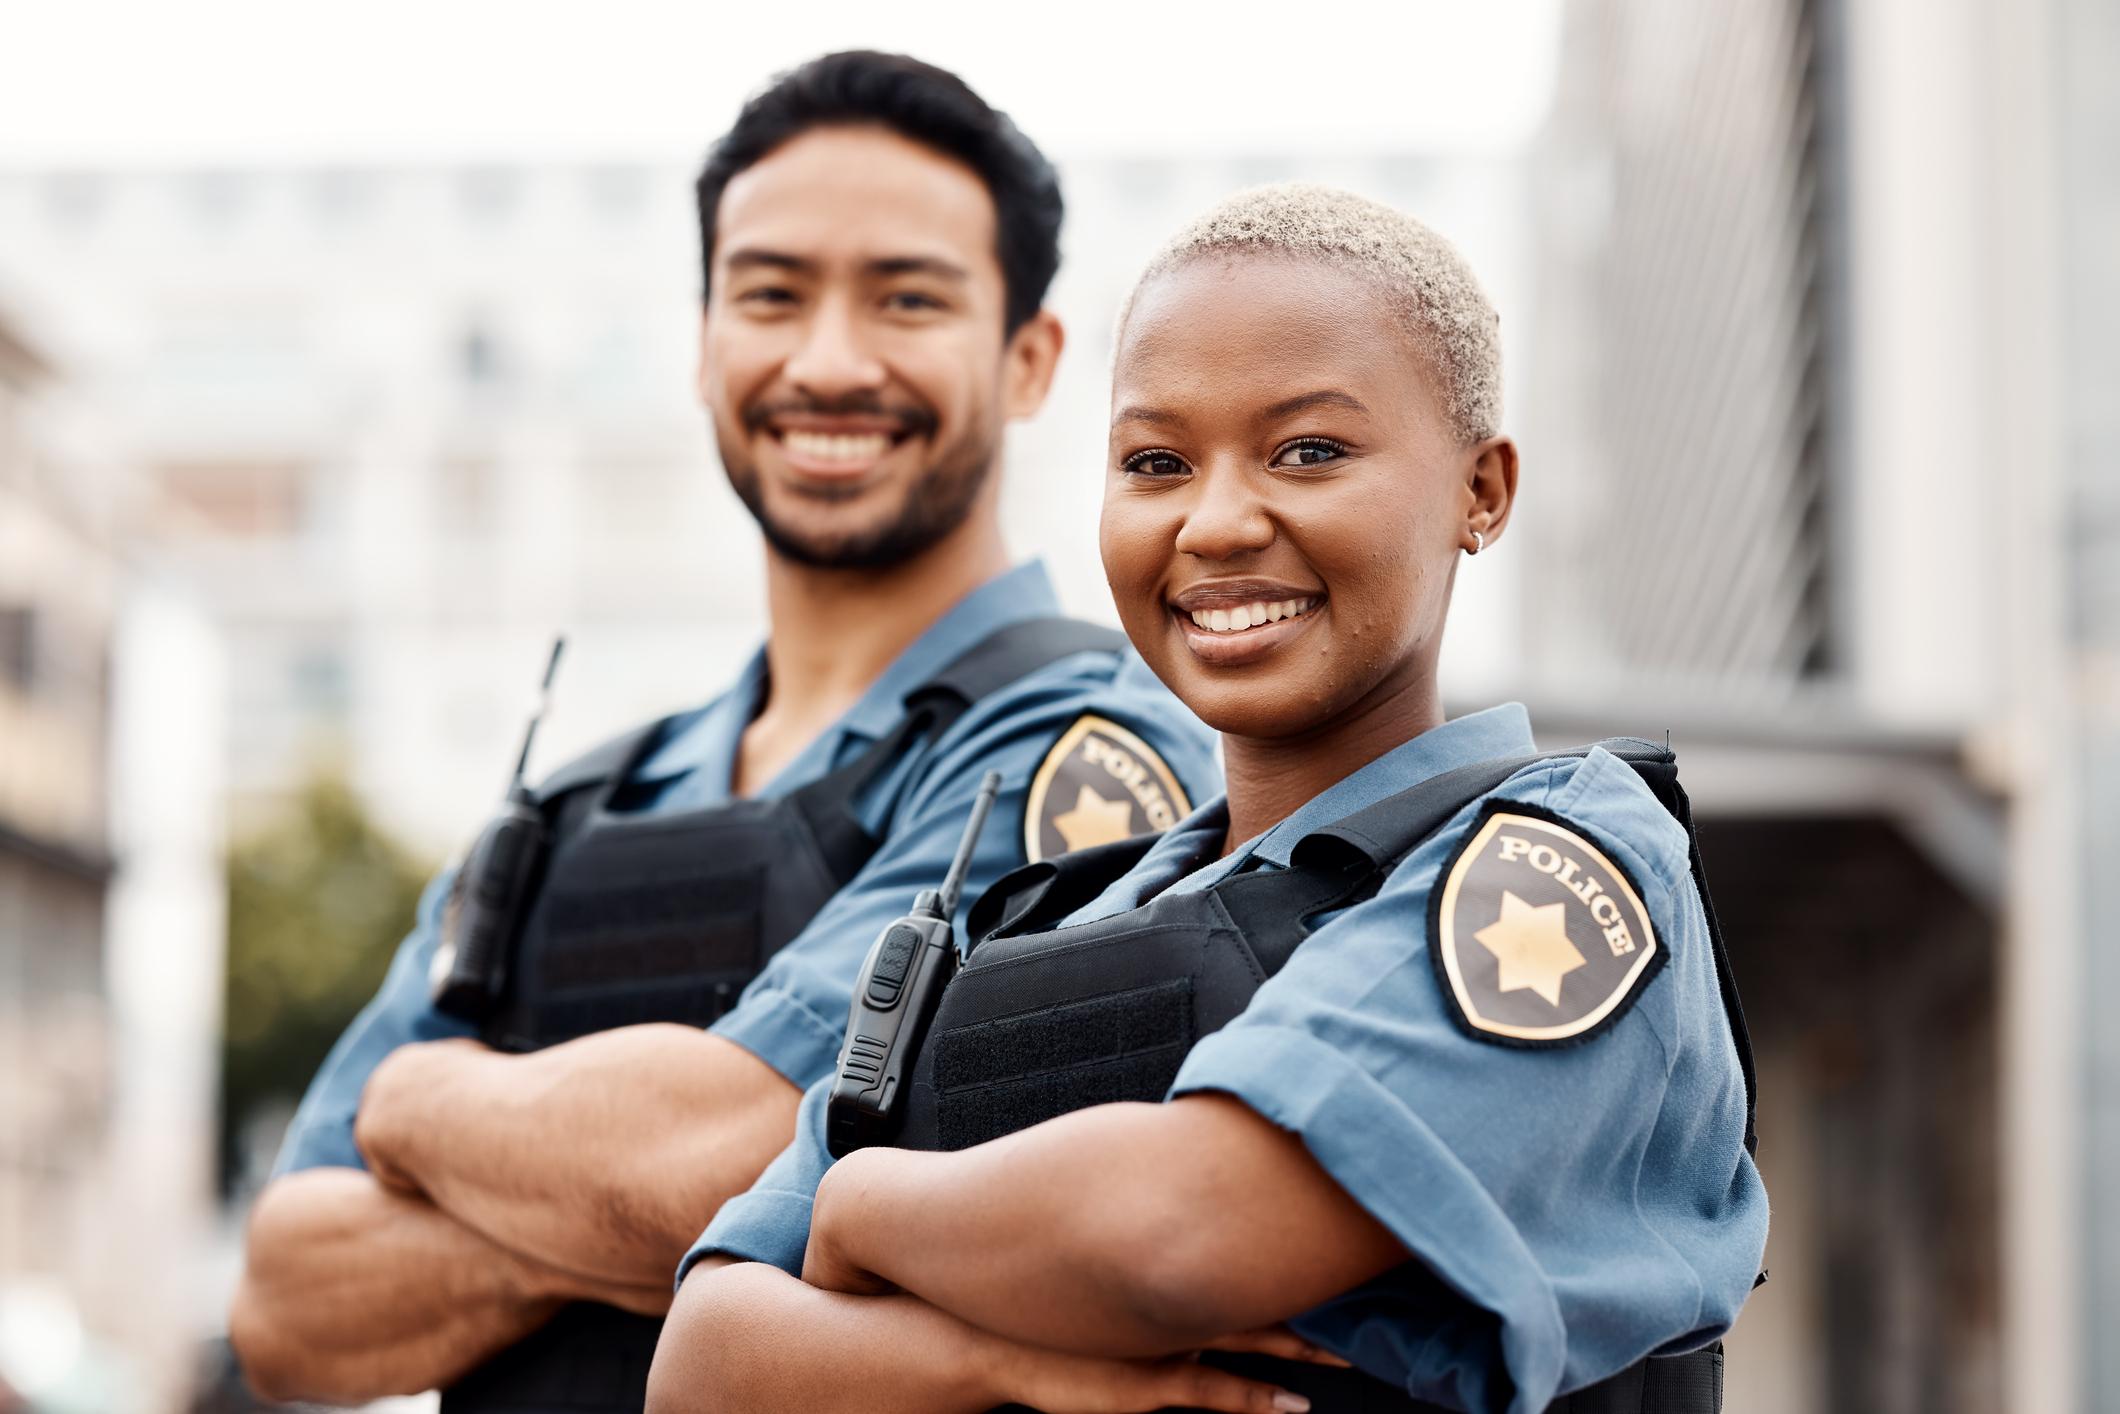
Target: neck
x,y
833,632
1270,779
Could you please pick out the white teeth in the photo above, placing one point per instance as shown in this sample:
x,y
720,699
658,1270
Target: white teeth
x,y
850,449
1247,616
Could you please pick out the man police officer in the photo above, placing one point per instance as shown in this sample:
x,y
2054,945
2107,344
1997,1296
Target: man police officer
x,y
494,1203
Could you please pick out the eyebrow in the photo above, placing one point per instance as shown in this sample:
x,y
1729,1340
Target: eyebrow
x,y
1145,414
918,265
749,257
1302,402
1323,397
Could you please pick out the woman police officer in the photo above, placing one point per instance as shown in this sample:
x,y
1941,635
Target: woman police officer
x,y
1456,1082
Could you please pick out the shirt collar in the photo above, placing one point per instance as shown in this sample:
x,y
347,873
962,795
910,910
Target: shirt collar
x,y
708,742
1483,736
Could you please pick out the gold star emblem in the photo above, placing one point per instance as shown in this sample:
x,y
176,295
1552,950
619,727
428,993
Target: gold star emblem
x,y
1532,946
1094,821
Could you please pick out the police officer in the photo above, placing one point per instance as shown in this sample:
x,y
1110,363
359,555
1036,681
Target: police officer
x,y
490,1194
1456,1081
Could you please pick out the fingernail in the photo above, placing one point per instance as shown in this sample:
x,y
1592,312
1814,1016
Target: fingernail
x,y
1293,1403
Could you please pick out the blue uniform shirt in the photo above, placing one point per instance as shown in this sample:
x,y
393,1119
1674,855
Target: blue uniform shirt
x,y
794,1014
1570,1209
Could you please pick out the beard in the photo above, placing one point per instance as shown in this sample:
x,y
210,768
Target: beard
x,y
933,507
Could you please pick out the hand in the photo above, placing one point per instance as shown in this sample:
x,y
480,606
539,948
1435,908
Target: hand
x,y
826,1265
390,1117
834,1217
1088,1384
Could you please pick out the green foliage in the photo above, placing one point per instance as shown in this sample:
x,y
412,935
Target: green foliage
x,y
316,906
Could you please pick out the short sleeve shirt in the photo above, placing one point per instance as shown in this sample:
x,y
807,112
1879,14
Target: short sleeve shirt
x,y
1569,1209
793,1014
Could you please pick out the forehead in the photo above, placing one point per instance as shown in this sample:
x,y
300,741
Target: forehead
x,y
854,194
1236,331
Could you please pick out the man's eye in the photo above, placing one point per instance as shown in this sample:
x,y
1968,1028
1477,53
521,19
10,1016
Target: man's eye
x,y
1156,464
1309,452
911,300
767,294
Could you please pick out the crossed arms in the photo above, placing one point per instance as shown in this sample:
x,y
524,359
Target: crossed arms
x,y
1063,1266
498,1189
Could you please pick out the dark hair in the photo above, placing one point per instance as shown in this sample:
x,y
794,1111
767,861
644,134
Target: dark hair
x,y
930,106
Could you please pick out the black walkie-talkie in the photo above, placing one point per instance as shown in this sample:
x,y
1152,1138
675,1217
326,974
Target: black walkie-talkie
x,y
895,996
485,901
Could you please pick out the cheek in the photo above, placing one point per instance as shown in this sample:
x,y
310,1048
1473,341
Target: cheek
x,y
956,379
1377,562
1133,541
734,365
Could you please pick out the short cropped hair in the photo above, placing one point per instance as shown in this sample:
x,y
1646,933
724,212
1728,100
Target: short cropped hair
x,y
1426,282
930,106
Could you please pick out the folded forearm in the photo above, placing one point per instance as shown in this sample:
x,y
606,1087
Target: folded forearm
x,y
605,1156
1144,1229
750,1339
351,1291
971,1231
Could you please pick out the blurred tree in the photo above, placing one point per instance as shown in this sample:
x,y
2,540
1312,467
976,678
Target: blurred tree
x,y
316,906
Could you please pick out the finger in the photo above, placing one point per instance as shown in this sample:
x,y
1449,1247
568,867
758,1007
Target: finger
x,y
1204,1387
1278,1341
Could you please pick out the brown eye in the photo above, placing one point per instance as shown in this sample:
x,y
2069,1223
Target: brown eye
x,y
1310,452
1156,464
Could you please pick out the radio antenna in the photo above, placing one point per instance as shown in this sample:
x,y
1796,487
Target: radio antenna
x,y
953,882
544,700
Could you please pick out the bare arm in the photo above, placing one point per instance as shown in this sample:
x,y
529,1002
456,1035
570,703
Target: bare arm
x,y
1144,1229
746,1338
351,1290
604,1156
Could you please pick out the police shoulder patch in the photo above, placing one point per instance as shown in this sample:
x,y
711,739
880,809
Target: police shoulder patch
x,y
1099,783
1539,938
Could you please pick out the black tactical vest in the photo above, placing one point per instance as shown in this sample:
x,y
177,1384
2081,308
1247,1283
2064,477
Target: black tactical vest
x,y
666,917
1043,1019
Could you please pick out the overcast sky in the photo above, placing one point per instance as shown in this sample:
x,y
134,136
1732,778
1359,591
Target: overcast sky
x,y
163,82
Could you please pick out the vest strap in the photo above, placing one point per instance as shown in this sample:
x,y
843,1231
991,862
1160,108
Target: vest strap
x,y
995,661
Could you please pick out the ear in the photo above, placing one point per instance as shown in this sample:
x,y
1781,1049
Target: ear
x,y
1490,491
1032,356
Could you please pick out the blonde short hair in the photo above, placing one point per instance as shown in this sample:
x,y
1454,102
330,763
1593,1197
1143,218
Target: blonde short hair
x,y
1428,284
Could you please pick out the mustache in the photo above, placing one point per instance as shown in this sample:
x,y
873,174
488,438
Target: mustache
x,y
912,419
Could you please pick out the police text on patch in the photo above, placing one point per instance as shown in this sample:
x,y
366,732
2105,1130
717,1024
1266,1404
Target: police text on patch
x,y
1566,871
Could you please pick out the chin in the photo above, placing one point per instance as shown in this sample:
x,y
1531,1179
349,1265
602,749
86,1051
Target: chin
x,y
1259,708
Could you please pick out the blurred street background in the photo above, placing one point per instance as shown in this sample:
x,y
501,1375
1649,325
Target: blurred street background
x,y
346,356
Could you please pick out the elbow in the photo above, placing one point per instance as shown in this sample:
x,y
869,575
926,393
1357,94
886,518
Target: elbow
x,y
275,1348
275,1363
266,1351
260,1354
700,1360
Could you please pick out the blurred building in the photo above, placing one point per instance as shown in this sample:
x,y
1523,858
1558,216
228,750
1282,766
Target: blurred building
x,y
1806,493
110,906
59,593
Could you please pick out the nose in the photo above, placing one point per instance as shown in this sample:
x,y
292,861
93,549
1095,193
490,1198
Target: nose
x,y
834,359
1226,519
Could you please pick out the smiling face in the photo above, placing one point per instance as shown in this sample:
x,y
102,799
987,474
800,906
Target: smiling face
x,y
1286,499
853,356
